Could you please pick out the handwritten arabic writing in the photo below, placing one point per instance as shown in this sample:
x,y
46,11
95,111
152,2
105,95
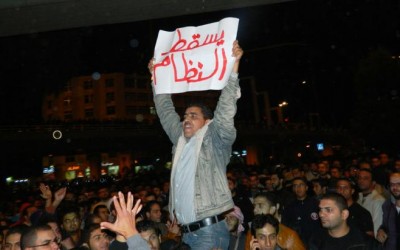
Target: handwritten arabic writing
x,y
193,72
194,58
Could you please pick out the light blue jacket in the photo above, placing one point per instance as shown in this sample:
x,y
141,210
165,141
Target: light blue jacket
x,y
213,148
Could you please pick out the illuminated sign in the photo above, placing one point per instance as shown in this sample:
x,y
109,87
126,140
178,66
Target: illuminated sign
x,y
73,168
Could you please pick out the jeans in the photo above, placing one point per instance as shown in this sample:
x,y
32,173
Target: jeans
x,y
213,237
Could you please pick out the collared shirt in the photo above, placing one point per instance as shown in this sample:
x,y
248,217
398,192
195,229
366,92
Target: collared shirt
x,y
184,183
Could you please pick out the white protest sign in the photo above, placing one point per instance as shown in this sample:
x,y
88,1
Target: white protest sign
x,y
194,58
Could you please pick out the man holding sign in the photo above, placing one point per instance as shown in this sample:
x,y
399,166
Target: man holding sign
x,y
202,146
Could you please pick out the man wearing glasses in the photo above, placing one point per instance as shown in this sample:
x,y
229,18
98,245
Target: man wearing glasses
x,y
40,237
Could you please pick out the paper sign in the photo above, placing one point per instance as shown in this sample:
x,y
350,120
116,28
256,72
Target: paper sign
x,y
194,58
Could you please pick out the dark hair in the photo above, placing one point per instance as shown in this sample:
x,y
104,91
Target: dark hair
x,y
146,225
97,208
321,182
339,200
261,220
270,197
87,231
368,171
149,204
303,179
207,113
67,209
20,229
29,237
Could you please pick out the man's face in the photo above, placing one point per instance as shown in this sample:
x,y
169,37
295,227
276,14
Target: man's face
x,y
155,213
384,158
71,223
330,215
56,229
12,242
45,240
322,169
317,188
344,188
103,193
254,181
267,237
335,173
297,173
375,162
261,206
99,240
300,189
394,183
193,120
152,239
364,181
103,213
275,181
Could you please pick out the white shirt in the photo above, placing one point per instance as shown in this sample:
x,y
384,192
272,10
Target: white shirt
x,y
184,183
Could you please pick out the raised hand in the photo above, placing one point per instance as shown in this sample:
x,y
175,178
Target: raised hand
x,y
125,223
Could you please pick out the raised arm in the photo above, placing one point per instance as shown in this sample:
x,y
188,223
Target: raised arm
x,y
226,108
169,119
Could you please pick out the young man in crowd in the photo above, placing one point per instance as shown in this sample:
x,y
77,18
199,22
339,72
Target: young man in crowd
x,y
389,232
358,216
265,229
337,234
40,237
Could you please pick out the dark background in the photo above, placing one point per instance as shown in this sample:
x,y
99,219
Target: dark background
x,y
347,52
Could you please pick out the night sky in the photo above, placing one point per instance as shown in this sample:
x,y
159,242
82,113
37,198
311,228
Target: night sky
x,y
307,53
320,42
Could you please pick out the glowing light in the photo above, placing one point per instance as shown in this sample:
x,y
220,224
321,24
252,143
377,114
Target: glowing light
x,y
57,134
96,76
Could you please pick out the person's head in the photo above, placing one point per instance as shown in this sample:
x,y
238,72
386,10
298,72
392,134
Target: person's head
x,y
299,186
95,238
254,180
345,188
92,219
40,237
384,158
364,165
69,219
365,180
319,186
335,172
265,229
264,203
26,213
153,211
102,211
394,185
397,165
323,168
276,180
297,171
149,233
196,116
234,220
12,241
333,212
375,161
103,193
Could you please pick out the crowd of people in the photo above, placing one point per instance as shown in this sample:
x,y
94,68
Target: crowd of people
x,y
318,205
